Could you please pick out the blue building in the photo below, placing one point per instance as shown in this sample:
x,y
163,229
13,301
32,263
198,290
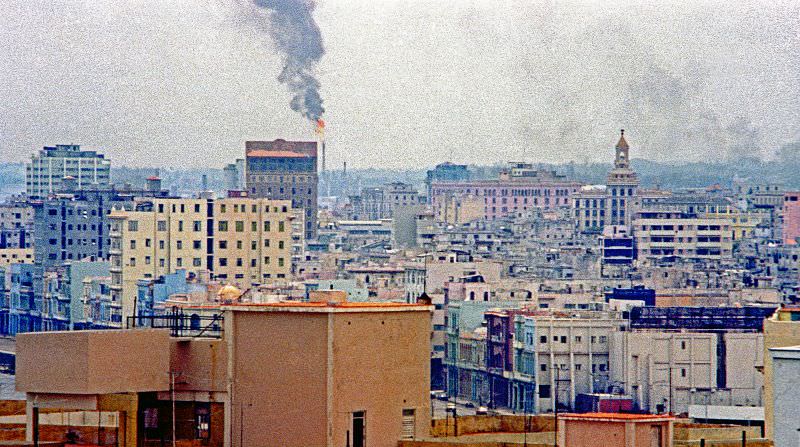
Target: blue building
x,y
153,293
637,295
354,293
24,311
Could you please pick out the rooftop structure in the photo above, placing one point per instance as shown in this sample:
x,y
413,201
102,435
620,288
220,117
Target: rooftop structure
x,y
364,375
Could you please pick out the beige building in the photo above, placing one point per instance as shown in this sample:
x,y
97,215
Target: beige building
x,y
781,330
10,256
357,374
663,235
243,241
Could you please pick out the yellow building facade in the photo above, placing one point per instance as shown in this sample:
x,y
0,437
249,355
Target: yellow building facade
x,y
242,241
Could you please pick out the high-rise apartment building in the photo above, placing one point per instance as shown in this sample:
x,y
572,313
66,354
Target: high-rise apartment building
x,y
241,241
791,218
45,173
285,170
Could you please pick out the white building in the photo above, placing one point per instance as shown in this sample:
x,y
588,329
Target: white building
x,y
45,173
786,405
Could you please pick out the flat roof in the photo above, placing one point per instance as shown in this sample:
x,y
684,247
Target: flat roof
x,y
616,417
324,307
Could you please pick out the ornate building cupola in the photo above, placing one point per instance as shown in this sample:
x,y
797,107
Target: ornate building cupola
x,y
622,160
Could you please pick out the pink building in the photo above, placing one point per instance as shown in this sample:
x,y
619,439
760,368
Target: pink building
x,y
518,190
615,430
791,217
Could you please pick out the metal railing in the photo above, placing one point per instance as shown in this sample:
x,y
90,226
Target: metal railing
x,y
181,324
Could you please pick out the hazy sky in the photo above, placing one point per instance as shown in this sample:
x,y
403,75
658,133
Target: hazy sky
x,y
405,83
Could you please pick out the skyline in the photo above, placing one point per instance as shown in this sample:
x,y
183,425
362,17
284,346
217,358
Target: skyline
x,y
492,82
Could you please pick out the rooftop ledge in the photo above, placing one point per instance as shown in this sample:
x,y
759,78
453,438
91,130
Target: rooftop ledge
x,y
322,307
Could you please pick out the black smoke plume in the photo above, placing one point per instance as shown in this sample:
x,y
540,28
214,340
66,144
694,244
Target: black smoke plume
x,y
297,36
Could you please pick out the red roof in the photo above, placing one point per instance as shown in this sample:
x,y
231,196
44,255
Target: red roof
x,y
616,416
276,154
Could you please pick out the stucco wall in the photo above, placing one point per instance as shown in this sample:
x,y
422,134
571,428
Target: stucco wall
x,y
381,366
278,371
93,362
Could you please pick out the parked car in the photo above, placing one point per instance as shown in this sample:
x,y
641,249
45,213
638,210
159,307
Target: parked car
x,y
482,411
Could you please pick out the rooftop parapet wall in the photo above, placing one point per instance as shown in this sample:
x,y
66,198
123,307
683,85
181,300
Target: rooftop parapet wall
x,y
93,362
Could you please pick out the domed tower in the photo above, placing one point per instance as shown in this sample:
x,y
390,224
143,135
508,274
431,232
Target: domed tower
x,y
621,186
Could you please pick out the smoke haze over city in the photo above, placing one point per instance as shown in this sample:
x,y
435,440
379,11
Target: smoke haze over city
x,y
405,83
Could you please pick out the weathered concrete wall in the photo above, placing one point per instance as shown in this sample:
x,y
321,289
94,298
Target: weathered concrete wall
x,y
725,443
461,443
690,432
492,424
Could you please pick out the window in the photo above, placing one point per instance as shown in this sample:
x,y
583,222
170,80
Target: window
x,y
160,245
180,225
359,429
133,225
266,243
223,262
179,245
161,262
147,260
253,245
543,339
239,226
161,225
683,344
222,225
544,391
196,245
132,262
223,245
543,367
179,262
238,262
133,245
147,242
409,424
593,339
280,245
254,226
197,225
196,262
603,339
577,339
280,262
266,225
683,372
563,339
281,227
238,245
578,367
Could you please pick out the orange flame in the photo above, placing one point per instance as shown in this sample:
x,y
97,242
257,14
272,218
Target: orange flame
x,y
320,126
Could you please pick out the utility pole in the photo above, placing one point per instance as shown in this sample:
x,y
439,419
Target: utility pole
x,y
555,407
172,397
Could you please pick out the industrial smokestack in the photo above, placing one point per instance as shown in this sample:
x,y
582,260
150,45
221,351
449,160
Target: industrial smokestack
x,y
297,36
